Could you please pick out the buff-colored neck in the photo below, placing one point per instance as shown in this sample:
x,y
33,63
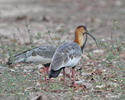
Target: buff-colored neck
x,y
78,38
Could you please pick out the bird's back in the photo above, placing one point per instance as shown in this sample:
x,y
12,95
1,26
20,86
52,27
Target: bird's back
x,y
41,54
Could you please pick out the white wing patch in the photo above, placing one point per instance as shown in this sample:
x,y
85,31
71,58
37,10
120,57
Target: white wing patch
x,y
72,62
38,59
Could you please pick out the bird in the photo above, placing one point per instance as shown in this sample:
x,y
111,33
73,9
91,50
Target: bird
x,y
68,54
41,55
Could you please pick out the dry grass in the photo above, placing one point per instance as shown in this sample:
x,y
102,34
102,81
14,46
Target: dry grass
x,y
100,74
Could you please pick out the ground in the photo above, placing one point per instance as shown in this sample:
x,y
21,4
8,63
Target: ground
x,y
26,24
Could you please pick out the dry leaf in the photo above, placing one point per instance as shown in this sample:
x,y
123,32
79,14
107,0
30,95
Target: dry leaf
x,y
98,71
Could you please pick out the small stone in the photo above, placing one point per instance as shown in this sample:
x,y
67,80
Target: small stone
x,y
98,51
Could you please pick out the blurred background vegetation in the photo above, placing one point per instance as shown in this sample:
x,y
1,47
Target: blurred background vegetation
x,y
26,24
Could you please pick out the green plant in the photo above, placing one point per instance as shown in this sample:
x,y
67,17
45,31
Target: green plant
x,y
38,36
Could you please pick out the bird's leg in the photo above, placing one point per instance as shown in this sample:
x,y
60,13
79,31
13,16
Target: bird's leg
x,y
47,70
64,75
45,74
73,73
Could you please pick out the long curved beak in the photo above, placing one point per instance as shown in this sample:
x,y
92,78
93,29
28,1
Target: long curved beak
x,y
92,38
84,43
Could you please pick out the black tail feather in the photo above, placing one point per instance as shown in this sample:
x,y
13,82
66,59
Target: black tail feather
x,y
54,74
9,62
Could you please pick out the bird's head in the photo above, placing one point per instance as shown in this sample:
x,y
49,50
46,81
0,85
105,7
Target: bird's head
x,y
81,33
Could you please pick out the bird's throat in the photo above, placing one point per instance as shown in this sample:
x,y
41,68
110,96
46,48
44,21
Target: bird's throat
x,y
79,39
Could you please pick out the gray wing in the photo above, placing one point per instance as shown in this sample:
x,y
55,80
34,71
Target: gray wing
x,y
66,55
34,55
44,51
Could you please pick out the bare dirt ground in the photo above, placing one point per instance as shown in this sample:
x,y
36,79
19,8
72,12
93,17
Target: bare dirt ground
x,y
28,23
